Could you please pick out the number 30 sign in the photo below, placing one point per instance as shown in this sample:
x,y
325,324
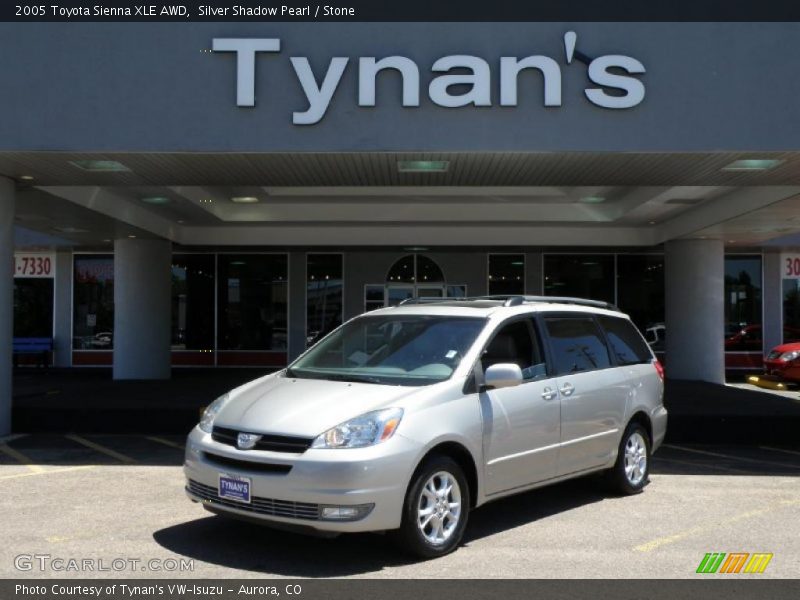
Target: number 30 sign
x,y
790,266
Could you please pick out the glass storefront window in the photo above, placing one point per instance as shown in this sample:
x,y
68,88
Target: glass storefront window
x,y
640,293
323,295
743,304
506,274
193,302
93,302
33,308
580,276
791,310
456,291
373,297
253,301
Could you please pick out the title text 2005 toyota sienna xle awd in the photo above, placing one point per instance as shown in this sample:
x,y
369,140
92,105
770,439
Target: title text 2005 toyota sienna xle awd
x,y
405,418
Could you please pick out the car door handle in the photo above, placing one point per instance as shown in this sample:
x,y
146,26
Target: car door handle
x,y
567,389
549,393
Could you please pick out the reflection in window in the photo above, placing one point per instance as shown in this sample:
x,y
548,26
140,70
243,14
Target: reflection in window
x,y
625,342
577,345
640,290
33,307
252,292
743,304
506,274
581,276
193,302
392,350
323,295
93,303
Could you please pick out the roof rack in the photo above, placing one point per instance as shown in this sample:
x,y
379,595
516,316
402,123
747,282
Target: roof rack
x,y
429,300
517,300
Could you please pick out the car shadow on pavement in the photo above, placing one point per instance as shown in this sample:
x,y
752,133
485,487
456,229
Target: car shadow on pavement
x,y
244,546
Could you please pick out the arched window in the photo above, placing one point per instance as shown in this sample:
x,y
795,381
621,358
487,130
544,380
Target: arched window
x,y
415,268
428,271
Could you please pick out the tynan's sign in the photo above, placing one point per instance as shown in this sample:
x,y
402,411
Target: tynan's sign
x,y
614,76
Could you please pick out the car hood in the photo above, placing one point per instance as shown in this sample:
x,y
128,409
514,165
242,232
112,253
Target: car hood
x,y
786,348
303,407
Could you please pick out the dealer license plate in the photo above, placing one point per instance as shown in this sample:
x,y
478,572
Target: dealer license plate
x,y
232,487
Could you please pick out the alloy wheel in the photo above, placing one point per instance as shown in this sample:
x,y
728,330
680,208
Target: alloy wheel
x,y
439,508
635,459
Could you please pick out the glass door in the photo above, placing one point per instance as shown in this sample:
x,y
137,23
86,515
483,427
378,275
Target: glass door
x,y
430,291
395,294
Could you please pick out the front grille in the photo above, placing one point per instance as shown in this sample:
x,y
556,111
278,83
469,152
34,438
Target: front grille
x,y
270,442
261,506
246,465
774,354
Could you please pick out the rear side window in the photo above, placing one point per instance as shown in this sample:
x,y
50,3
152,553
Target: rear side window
x,y
577,343
625,341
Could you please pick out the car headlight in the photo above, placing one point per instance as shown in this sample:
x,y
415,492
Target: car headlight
x,y
366,430
787,356
210,413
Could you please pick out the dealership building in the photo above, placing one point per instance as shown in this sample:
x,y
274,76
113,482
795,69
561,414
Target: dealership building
x,y
223,194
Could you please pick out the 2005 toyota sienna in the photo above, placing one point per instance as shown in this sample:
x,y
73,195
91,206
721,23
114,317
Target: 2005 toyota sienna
x,y
406,418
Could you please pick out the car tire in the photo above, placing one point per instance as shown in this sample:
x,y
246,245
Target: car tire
x,y
631,472
430,526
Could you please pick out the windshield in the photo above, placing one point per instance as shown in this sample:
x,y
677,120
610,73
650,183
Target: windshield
x,y
391,350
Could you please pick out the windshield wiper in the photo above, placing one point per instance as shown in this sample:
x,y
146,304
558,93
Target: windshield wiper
x,y
351,377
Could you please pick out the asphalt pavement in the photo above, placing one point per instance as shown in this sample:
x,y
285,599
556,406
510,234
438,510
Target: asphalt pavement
x,y
116,503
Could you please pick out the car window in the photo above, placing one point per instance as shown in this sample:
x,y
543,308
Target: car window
x,y
391,350
626,343
577,344
516,343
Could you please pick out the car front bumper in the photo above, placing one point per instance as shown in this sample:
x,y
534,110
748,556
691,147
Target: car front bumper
x,y
317,478
783,369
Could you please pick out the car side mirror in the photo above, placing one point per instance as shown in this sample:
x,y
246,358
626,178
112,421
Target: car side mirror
x,y
502,375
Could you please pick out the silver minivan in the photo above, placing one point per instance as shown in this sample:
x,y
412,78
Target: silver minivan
x,y
406,418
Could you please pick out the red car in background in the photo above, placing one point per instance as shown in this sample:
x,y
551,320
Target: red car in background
x,y
748,338
784,361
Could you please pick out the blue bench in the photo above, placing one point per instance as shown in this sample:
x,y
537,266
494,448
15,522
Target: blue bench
x,y
39,346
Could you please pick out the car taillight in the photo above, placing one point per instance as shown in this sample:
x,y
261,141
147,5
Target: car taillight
x,y
659,368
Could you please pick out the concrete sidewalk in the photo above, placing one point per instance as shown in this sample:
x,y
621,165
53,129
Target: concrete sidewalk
x,y
89,401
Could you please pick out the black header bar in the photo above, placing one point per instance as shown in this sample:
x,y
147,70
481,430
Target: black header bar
x,y
398,10
396,589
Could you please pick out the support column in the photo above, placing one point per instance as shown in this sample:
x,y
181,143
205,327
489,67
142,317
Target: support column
x,y
62,313
772,297
7,197
142,312
695,311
